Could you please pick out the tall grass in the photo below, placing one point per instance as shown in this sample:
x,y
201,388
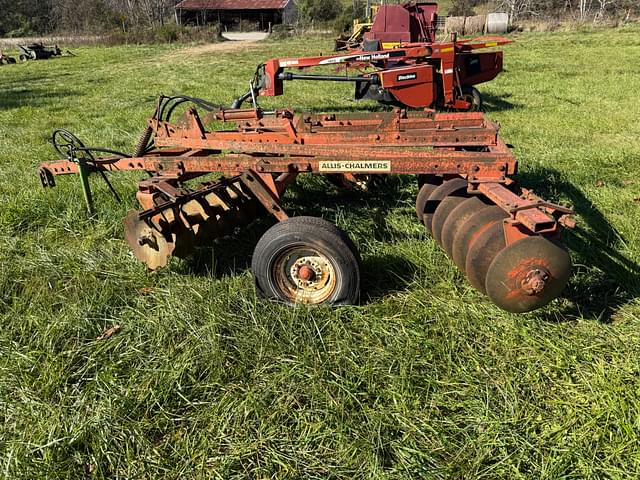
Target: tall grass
x,y
425,379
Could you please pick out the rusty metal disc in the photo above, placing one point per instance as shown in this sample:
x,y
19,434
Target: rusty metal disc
x,y
469,231
528,274
458,217
429,184
484,247
148,245
442,213
450,187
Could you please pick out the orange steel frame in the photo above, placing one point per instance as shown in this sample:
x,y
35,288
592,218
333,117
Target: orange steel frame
x,y
268,152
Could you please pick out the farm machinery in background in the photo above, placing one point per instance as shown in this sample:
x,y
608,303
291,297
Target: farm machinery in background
x,y
6,60
397,63
34,51
39,51
393,25
416,75
503,237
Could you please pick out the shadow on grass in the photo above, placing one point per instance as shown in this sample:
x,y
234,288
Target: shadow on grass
x,y
492,103
604,280
386,274
229,255
32,97
316,197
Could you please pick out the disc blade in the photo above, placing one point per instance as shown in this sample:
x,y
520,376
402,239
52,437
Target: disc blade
x,y
148,245
431,182
457,218
509,276
449,187
467,232
484,247
442,213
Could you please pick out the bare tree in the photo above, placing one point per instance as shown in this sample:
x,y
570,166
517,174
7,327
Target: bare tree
x,y
584,8
604,6
142,13
516,8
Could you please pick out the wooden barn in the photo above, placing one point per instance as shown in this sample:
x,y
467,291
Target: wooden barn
x,y
236,15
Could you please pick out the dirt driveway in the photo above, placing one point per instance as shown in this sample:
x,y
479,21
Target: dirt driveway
x,y
245,36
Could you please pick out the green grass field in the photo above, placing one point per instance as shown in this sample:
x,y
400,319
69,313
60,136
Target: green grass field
x,y
425,379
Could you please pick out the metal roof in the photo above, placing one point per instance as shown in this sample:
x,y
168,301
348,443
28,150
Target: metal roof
x,y
232,4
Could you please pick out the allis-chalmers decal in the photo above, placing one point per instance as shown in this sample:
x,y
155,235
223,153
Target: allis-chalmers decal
x,y
355,166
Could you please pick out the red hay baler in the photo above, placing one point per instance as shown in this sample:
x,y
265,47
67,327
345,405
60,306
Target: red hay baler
x,y
417,75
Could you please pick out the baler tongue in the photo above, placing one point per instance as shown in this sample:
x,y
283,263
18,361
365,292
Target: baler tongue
x,y
504,238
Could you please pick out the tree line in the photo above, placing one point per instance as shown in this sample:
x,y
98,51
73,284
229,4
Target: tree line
x,y
25,17
553,9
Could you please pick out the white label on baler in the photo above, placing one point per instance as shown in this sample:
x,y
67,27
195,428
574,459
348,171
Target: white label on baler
x,y
406,76
369,57
355,167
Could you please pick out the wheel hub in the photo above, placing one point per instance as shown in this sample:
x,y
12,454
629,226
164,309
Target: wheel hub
x,y
148,238
305,275
528,274
534,281
308,272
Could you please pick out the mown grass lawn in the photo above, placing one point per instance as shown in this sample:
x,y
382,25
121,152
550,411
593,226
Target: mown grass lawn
x,y
425,379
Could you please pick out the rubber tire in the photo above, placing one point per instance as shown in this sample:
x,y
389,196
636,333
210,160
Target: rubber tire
x,y
476,104
11,61
319,234
23,58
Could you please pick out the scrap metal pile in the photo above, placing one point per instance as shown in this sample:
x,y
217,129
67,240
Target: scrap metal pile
x,y
503,237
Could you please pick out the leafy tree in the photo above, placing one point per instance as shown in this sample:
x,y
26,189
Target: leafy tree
x,y
344,21
23,17
318,10
462,7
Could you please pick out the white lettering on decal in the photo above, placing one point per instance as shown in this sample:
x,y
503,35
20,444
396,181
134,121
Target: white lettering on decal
x,y
355,166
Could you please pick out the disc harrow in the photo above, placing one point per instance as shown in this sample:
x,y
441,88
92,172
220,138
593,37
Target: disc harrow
x,y
504,238
175,222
